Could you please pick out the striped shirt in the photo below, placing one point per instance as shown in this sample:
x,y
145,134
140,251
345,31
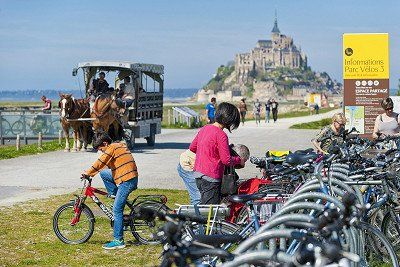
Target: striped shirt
x,y
119,159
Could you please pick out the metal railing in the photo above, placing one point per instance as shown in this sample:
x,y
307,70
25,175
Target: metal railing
x,y
28,124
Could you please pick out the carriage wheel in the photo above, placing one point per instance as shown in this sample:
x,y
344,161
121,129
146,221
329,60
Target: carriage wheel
x,y
151,140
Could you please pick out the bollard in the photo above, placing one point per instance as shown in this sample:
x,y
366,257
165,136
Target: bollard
x,y
40,137
169,117
18,142
60,137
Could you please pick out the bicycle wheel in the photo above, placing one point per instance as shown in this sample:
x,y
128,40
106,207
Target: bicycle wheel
x,y
17,127
390,231
5,126
375,235
78,233
144,230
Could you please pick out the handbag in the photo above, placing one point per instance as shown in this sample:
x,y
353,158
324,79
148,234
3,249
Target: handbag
x,y
229,185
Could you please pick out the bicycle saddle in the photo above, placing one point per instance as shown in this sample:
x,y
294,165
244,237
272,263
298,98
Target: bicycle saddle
x,y
297,158
304,151
246,198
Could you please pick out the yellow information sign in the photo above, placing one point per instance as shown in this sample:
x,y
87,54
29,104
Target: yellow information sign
x,y
366,55
365,78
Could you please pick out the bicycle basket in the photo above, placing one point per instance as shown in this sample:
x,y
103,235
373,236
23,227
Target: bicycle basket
x,y
218,212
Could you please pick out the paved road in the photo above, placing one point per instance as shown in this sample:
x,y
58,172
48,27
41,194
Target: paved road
x,y
41,175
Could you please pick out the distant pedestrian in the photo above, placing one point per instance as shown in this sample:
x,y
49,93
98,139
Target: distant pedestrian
x,y
210,110
267,110
243,110
47,105
274,108
316,107
257,111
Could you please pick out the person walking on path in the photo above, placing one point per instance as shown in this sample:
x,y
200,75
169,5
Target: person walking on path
x,y
243,110
257,111
211,146
210,110
185,171
274,107
267,110
316,107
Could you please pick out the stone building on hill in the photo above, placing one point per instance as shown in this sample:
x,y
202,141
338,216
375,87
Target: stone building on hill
x,y
280,51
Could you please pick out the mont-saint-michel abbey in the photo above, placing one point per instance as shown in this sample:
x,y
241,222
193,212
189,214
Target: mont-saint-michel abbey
x,y
273,68
280,51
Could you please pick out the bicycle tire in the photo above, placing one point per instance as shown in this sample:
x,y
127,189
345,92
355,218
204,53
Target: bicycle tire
x,y
17,127
152,225
85,212
370,230
5,130
390,233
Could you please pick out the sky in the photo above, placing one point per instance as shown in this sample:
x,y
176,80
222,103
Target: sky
x,y
41,41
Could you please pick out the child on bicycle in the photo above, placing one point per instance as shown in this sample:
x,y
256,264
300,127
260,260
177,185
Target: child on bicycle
x,y
120,179
212,151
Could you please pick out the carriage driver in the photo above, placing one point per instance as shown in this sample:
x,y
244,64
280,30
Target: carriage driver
x,y
98,87
120,179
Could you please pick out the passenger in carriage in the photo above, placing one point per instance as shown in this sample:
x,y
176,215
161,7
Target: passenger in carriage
x,y
127,92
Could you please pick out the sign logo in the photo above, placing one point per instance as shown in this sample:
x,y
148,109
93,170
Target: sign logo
x,y
348,51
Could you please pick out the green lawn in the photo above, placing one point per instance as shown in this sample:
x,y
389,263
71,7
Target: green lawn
x,y
27,237
8,152
312,125
21,104
302,113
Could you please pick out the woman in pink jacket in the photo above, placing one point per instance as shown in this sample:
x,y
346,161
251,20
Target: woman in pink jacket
x,y
211,147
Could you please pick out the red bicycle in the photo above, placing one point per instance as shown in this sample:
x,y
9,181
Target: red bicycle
x,y
73,223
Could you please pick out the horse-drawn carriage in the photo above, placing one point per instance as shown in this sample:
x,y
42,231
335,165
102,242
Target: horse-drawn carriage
x,y
143,117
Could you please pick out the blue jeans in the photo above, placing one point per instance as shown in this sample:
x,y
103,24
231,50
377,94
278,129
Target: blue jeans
x,y
190,183
267,115
121,193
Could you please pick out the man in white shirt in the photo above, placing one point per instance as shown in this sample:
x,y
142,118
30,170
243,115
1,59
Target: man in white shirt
x,y
128,94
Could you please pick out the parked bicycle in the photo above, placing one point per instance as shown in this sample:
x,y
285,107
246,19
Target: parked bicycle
x,y
73,222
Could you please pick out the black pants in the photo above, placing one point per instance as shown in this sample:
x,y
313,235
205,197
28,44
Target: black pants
x,y
243,116
275,114
210,192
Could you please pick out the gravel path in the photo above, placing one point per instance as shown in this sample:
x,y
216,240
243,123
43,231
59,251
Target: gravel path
x,y
42,175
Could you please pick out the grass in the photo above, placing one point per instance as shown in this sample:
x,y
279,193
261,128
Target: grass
x,y
20,104
27,237
9,152
302,113
312,125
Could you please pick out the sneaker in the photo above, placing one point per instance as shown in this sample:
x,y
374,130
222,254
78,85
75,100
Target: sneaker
x,y
115,244
111,196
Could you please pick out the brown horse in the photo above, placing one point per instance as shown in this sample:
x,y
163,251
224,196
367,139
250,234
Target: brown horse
x,y
105,115
70,110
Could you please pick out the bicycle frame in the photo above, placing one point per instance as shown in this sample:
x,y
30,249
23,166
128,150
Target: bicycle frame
x,y
90,191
